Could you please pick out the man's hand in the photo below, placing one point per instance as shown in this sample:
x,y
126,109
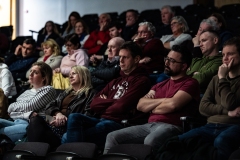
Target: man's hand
x,y
145,60
195,41
18,50
150,94
103,96
103,26
99,42
224,69
234,113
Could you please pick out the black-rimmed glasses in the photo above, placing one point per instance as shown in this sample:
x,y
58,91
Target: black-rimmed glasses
x,y
171,60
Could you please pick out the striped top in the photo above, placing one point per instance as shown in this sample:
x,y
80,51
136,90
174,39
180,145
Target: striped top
x,y
31,100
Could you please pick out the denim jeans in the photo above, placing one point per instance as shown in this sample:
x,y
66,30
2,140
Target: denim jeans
x,y
224,137
81,128
14,130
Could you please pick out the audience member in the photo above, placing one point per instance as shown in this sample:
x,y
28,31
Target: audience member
x,y
203,69
21,60
72,18
7,83
179,27
220,104
166,101
99,37
109,68
117,101
75,99
51,55
49,32
29,103
75,56
131,26
167,14
152,48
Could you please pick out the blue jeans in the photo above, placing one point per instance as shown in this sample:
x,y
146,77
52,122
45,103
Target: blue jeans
x,y
81,128
224,137
14,130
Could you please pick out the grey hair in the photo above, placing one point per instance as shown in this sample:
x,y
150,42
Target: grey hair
x,y
211,23
181,20
169,8
150,26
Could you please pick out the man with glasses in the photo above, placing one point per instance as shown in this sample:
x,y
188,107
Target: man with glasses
x,y
166,102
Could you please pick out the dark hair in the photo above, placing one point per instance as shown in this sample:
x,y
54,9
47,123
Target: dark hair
x,y
135,12
115,24
220,19
30,41
134,49
54,28
73,38
72,14
85,27
46,71
235,41
186,54
215,34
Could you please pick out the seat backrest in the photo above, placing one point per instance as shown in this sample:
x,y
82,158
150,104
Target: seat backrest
x,y
116,156
38,148
16,154
87,150
140,151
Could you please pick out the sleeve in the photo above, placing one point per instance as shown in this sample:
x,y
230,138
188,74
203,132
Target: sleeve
x,y
54,105
84,40
10,59
154,49
55,62
7,82
21,108
127,102
65,70
82,59
180,39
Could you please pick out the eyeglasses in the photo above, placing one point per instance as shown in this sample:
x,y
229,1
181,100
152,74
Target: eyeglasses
x,y
171,60
173,23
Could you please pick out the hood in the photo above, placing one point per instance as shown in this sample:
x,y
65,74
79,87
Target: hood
x,y
2,66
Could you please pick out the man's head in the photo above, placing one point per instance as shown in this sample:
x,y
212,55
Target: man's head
x,y
167,13
231,51
207,24
115,29
104,18
177,61
209,41
114,47
131,17
130,55
146,29
28,47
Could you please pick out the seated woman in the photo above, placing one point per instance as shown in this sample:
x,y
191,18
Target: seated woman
x,y
29,103
81,29
179,27
49,31
75,56
72,18
51,55
75,99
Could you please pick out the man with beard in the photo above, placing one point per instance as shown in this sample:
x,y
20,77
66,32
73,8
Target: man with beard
x,y
167,101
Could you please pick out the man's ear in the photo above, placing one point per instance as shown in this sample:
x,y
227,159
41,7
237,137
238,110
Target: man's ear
x,y
137,59
120,30
185,66
215,39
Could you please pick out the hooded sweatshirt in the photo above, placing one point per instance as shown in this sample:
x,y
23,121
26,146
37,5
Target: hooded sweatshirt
x,y
123,95
6,81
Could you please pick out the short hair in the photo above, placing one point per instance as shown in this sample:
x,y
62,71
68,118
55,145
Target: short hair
x,y
53,45
107,15
211,23
220,19
30,41
73,38
46,71
85,80
186,54
150,26
215,34
115,24
135,12
85,27
134,48
181,20
119,41
235,41
169,8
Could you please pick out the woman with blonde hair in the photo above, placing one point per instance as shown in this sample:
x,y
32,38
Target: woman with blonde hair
x,y
51,55
75,99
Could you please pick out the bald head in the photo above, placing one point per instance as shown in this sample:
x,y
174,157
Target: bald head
x,y
114,46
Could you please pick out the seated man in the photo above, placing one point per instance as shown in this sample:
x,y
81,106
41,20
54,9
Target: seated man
x,y
220,104
108,69
166,101
153,49
203,69
22,59
117,101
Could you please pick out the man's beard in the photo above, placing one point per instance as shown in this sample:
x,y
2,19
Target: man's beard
x,y
169,72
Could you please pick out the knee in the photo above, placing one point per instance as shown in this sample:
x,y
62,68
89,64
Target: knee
x,y
36,120
149,140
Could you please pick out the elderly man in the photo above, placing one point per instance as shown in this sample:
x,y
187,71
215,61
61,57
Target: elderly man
x,y
109,68
167,14
203,69
153,49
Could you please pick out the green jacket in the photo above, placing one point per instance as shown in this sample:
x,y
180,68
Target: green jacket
x,y
207,68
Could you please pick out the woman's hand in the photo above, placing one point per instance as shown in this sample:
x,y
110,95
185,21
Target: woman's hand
x,y
60,120
57,70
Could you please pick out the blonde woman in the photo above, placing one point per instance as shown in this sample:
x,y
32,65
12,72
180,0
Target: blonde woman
x,y
51,55
75,99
